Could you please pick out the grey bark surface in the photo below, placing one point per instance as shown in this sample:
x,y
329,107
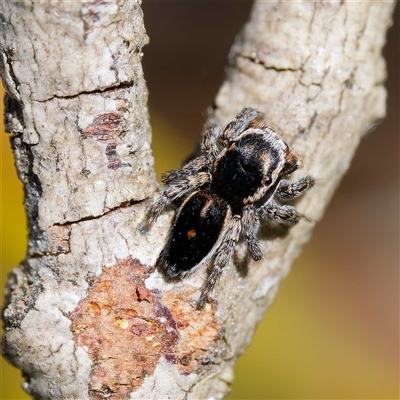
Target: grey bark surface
x,y
76,107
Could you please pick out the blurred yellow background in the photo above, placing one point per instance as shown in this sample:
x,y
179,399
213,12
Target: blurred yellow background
x,y
333,331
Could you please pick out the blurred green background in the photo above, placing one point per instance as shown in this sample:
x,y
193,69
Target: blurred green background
x,y
333,331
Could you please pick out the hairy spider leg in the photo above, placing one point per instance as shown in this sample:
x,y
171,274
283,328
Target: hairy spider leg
x,y
175,189
239,124
250,226
186,171
223,255
289,190
281,214
209,143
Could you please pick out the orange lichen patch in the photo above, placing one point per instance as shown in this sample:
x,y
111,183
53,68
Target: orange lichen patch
x,y
94,309
127,328
118,322
122,323
199,331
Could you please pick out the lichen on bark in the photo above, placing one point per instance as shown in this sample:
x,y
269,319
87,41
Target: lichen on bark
x,y
84,317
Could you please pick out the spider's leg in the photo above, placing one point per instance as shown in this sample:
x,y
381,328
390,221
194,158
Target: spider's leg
x,y
289,190
281,214
173,191
250,226
292,163
190,168
209,144
222,258
239,124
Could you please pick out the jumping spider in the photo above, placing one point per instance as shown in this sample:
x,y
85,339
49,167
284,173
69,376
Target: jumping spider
x,y
230,189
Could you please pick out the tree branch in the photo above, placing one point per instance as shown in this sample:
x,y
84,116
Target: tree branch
x,y
84,317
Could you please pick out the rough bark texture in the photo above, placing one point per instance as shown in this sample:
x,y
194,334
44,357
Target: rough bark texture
x,y
83,316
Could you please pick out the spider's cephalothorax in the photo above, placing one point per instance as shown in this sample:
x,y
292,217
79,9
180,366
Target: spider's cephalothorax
x,y
237,178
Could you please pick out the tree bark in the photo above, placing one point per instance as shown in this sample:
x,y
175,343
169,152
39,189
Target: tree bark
x,y
84,317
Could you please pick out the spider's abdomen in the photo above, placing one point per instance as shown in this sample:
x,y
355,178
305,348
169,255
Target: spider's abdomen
x,y
196,231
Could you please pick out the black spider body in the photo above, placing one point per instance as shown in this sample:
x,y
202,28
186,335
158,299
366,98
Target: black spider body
x,y
243,169
198,225
237,178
